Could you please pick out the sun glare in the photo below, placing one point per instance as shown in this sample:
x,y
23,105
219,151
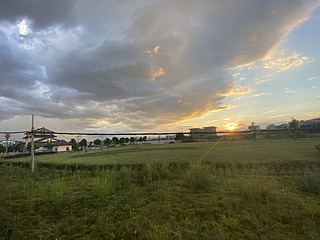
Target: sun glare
x,y
23,28
231,126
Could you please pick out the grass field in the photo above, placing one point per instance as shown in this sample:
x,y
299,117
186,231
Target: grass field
x,y
217,190
244,152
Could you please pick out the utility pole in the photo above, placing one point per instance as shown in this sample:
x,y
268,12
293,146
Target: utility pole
x,y
102,144
7,136
32,145
78,144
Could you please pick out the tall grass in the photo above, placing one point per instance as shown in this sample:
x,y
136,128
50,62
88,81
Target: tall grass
x,y
159,201
310,182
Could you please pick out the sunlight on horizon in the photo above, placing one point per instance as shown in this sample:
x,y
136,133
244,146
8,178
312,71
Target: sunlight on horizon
x,y
231,126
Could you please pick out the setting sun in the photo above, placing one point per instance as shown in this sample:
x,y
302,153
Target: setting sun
x,y
231,126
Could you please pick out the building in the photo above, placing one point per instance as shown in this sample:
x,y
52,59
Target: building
x,y
10,142
309,124
41,135
62,146
202,133
277,127
45,139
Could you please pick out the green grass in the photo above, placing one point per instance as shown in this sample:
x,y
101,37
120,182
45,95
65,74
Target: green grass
x,y
244,152
228,190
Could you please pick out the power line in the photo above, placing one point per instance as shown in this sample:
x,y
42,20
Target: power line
x,y
157,133
172,133
13,132
139,133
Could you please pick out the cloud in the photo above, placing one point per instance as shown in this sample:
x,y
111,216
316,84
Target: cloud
x,y
283,63
259,94
278,116
235,91
290,91
43,14
158,72
271,111
153,51
133,63
262,81
264,69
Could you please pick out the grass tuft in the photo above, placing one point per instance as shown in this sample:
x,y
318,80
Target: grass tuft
x,y
310,183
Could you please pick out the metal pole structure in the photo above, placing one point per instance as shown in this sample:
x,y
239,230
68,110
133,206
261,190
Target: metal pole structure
x,y
102,144
32,145
78,145
7,136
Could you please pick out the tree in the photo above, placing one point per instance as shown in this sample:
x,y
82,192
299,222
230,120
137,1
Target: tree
x,y
35,146
122,140
83,142
97,142
180,137
7,136
132,139
107,141
293,126
18,147
253,128
2,149
74,143
144,138
115,140
48,146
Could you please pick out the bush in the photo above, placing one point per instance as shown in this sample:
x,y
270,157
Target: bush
x,y
189,139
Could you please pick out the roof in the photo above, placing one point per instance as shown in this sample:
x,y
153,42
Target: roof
x,y
43,129
39,140
40,136
61,143
40,132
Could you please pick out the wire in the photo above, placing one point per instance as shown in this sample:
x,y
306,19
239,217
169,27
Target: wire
x,y
13,132
155,133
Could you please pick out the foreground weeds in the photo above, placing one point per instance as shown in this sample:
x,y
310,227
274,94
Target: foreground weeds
x,y
161,201
310,183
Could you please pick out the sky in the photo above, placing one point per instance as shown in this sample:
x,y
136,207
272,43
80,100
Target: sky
x,y
157,65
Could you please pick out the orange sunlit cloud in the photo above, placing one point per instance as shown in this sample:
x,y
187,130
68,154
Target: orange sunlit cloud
x,y
235,91
156,73
199,114
283,63
153,51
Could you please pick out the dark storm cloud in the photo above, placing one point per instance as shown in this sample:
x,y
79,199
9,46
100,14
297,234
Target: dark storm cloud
x,y
140,63
43,13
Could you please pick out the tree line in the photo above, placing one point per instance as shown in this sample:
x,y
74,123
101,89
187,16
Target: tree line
x,y
106,142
